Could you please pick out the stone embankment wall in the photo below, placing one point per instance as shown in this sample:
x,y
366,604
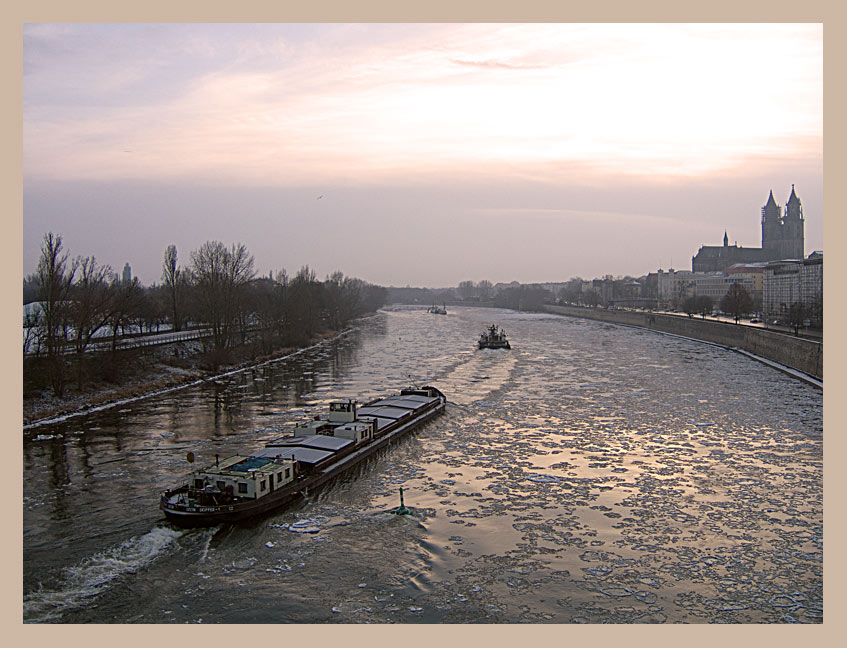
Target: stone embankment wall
x,y
797,353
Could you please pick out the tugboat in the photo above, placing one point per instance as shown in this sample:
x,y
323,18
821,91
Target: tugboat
x,y
243,486
436,310
494,338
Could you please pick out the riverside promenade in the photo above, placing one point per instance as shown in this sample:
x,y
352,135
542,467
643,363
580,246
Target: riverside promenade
x,y
805,356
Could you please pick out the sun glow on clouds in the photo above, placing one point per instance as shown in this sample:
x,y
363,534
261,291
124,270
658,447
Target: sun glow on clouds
x,y
637,99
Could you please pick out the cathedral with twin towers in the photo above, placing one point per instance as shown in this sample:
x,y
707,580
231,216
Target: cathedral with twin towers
x,y
782,238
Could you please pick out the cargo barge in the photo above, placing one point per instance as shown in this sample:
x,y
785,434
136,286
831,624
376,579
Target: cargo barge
x,y
243,486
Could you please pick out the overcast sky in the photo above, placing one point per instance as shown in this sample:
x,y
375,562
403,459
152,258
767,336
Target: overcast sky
x,y
419,154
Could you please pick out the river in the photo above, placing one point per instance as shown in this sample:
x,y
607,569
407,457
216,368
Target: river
x,y
594,473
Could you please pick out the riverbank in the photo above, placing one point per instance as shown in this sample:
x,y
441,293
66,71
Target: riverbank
x,y
146,373
795,353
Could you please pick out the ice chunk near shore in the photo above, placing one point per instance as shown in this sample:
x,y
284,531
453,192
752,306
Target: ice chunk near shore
x,y
303,529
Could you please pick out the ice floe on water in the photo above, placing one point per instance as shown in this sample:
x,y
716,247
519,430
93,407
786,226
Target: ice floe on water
x,y
310,525
544,479
294,528
591,475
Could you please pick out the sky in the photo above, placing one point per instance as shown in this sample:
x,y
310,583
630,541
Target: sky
x,y
418,154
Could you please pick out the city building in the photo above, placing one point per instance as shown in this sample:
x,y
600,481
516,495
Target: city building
x,y
782,238
755,273
781,289
811,279
811,288
672,285
794,281
716,285
604,288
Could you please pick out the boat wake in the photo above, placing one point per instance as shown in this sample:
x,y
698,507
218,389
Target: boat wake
x,y
96,574
478,376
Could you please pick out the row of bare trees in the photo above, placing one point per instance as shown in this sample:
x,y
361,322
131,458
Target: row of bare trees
x,y
75,301
482,291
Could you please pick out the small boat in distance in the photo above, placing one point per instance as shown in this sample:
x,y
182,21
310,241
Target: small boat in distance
x,y
436,310
494,338
243,486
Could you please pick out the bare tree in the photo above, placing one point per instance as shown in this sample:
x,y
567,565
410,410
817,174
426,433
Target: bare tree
x,y
92,302
282,285
174,280
371,298
466,290
571,292
220,277
126,306
33,330
590,297
55,279
267,304
523,298
31,288
690,306
32,315
737,301
485,289
796,316
341,297
304,303
705,305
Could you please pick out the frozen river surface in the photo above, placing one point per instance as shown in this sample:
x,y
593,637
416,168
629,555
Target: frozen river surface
x,y
592,474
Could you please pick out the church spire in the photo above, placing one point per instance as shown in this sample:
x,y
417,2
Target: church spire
x,y
793,198
794,216
771,202
725,239
771,223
